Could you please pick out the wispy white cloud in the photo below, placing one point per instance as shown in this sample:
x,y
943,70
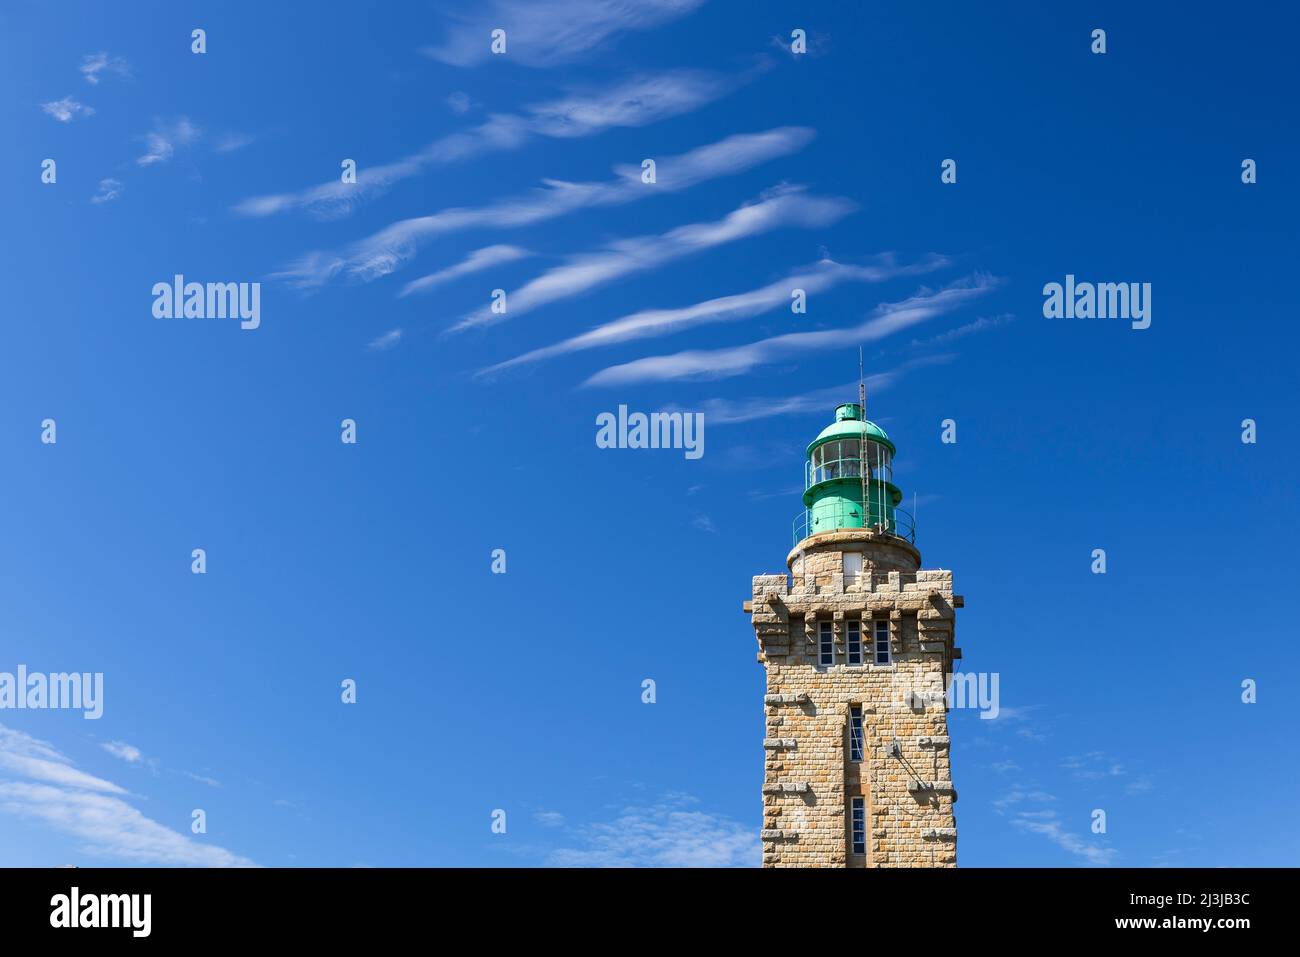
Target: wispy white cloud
x,y
1019,719
790,491
29,757
1140,785
1049,826
162,141
738,360
476,261
649,323
67,109
816,44
387,341
1092,766
460,102
1033,810
736,411
1099,766
638,101
202,779
1017,796
391,247
543,34
982,324
109,190
112,828
230,142
667,834
783,207
91,809
95,64
120,749
549,818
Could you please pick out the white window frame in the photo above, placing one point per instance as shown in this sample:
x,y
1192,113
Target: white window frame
x,y
857,754
853,627
858,815
880,642
825,643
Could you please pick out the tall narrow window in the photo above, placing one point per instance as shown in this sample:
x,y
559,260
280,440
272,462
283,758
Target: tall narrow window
x,y
852,567
858,825
855,732
882,642
827,656
853,643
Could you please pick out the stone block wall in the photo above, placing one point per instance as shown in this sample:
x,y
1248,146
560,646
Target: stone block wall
x,y
905,776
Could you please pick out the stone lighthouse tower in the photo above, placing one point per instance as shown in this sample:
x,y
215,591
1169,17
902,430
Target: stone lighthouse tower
x,y
857,642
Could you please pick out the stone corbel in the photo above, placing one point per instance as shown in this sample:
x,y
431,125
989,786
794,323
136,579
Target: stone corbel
x,y
786,787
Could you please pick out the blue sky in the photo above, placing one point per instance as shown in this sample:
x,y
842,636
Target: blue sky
x,y
522,691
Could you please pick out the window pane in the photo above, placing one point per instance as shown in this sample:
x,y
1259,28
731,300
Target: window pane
x,y
855,733
858,826
882,642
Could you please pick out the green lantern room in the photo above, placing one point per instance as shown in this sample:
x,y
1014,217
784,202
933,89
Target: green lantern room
x,y
848,480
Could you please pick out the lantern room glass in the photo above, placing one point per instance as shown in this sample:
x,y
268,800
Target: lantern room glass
x,y
842,458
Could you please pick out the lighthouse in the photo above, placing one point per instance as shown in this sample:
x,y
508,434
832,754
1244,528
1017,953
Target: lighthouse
x,y
856,639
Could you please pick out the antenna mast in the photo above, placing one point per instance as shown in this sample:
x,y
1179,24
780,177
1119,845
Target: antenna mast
x,y
862,438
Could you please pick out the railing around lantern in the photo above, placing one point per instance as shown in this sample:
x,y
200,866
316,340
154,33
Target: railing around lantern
x,y
843,460
900,523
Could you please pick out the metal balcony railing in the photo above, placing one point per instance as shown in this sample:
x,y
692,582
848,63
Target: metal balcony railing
x,y
823,470
898,523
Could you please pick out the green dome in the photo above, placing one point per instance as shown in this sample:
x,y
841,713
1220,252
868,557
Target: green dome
x,y
849,424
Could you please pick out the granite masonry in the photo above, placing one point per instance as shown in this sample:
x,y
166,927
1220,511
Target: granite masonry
x,y
858,651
